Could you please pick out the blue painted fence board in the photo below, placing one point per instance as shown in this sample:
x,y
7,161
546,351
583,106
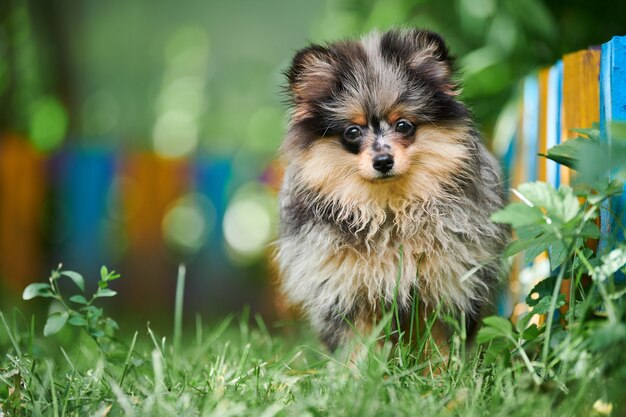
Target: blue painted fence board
x,y
612,108
553,124
84,180
531,125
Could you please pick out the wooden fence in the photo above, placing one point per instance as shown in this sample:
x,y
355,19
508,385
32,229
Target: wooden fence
x,y
582,88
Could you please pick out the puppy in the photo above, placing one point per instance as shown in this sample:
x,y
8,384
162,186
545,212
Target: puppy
x,y
388,189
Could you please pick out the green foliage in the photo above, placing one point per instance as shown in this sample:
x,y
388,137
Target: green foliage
x,y
76,310
547,219
594,157
569,152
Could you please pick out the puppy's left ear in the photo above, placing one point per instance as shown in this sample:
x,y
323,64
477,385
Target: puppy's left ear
x,y
430,56
310,76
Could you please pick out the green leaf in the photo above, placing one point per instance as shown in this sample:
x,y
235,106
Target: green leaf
x,y
487,334
587,254
499,349
518,214
494,327
536,250
531,333
104,273
542,289
590,230
92,312
530,231
112,324
105,292
78,321
519,245
543,306
516,247
113,276
96,332
561,204
76,277
55,322
499,323
569,152
592,133
617,129
558,254
523,321
78,299
38,289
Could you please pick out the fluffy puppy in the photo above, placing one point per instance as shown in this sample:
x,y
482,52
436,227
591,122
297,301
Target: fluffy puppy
x,y
388,189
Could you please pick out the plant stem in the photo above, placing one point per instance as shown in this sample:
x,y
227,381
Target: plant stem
x,y
526,361
555,294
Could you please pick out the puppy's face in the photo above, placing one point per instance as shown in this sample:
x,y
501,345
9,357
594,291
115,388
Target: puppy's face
x,y
381,110
380,145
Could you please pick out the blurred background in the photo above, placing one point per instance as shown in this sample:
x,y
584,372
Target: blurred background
x,y
142,134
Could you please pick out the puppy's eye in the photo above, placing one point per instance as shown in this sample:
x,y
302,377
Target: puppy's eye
x,y
404,126
352,133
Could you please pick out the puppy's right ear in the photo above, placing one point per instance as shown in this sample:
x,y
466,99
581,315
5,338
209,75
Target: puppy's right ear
x,y
311,74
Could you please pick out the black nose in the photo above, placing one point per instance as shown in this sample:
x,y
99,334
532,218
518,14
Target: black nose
x,y
383,163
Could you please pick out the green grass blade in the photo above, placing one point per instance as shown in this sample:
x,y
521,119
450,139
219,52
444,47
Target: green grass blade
x,y
178,307
128,357
10,335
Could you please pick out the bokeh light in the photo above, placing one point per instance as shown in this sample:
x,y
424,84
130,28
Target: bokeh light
x,y
249,222
175,134
48,123
188,223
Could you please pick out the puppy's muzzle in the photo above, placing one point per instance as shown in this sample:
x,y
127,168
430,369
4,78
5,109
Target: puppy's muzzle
x,y
383,163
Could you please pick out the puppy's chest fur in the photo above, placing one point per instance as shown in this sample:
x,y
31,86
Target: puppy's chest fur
x,y
343,261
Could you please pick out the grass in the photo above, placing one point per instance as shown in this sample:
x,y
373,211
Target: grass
x,y
234,368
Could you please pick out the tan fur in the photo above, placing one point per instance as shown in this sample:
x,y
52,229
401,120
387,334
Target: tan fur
x,y
349,180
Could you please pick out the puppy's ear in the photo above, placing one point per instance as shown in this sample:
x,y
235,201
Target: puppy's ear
x,y
426,53
311,74
432,57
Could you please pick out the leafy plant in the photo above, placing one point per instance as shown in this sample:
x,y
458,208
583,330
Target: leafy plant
x,y
563,223
76,310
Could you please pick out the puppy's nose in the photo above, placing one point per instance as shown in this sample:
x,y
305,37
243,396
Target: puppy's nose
x,y
383,163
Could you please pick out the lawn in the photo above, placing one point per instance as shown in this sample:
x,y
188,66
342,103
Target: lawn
x,y
239,367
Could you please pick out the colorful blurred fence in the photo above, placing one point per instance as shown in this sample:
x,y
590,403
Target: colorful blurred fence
x,y
138,213
584,87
